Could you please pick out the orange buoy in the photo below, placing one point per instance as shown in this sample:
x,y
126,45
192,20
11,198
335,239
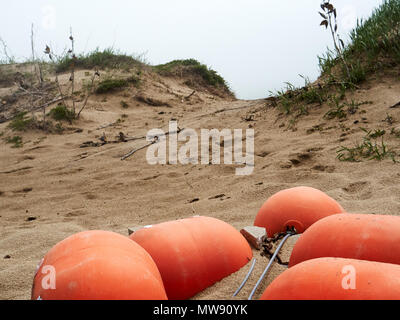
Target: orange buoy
x,y
337,279
193,254
354,236
97,265
297,207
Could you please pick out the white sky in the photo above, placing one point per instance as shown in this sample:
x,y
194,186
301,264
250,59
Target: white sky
x,y
256,45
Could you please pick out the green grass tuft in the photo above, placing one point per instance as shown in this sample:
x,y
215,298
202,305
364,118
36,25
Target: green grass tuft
x,y
62,113
181,67
292,99
110,85
20,122
124,104
369,149
16,141
108,58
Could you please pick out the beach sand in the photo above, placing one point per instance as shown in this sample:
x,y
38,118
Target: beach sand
x,y
51,188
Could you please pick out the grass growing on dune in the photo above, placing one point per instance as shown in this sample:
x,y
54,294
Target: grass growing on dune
x,y
20,122
374,44
108,58
370,149
16,142
62,113
110,84
181,67
297,99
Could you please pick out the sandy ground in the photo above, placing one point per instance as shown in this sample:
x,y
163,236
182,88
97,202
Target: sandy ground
x,y
69,189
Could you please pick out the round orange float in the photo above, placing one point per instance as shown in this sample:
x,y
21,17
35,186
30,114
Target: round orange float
x,y
98,265
297,207
337,279
355,236
193,254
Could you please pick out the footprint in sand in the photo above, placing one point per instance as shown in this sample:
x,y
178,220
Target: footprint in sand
x,y
25,190
173,175
322,168
221,197
263,154
37,148
300,158
359,190
316,149
90,196
356,187
152,177
76,213
17,170
27,158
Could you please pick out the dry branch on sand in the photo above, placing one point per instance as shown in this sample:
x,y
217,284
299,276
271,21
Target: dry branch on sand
x,y
152,102
397,105
156,140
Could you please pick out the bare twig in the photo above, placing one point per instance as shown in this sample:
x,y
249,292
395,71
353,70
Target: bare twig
x,y
127,139
50,54
136,150
156,140
229,109
189,96
89,93
105,126
330,19
27,92
397,105
72,78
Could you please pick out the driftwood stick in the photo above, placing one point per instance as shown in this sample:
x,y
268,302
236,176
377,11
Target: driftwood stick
x,y
156,140
89,93
28,92
105,126
63,98
234,109
189,96
127,139
397,105
49,103
136,150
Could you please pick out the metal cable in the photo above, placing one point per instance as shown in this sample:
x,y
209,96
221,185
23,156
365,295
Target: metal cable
x,y
246,279
270,264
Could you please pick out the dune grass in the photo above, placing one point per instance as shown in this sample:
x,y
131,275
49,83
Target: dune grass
x,y
20,122
108,58
177,67
111,84
370,148
16,142
374,44
62,113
